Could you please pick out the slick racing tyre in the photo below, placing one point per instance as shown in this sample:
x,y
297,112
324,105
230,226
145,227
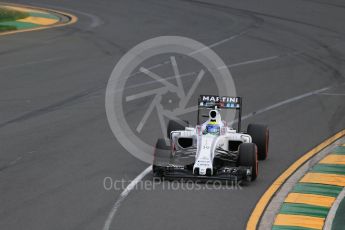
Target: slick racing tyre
x,y
161,157
248,157
175,126
260,136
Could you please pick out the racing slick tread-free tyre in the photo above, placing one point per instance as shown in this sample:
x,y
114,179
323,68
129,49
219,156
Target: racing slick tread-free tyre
x,y
248,157
260,136
161,156
174,126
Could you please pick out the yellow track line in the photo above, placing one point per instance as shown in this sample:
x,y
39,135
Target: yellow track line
x,y
333,159
265,199
299,220
21,9
73,19
322,178
312,199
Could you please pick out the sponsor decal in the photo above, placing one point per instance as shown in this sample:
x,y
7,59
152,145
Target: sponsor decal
x,y
221,101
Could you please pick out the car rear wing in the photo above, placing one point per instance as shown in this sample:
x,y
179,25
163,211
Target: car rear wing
x,y
220,102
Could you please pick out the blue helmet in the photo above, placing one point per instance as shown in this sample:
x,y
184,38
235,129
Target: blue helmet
x,y
213,129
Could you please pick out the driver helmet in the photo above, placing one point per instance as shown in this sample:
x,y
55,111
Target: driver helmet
x,y
212,128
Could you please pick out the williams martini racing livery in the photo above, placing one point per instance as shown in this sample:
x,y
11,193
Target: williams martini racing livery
x,y
212,150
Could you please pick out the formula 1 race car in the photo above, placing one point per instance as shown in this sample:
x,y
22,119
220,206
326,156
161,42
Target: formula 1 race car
x,y
212,150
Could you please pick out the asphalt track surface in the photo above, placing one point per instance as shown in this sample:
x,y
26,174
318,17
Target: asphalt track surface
x,y
56,146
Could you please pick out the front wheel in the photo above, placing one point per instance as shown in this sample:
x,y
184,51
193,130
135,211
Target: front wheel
x,y
248,157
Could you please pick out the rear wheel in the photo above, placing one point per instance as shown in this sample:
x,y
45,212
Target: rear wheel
x,y
173,125
161,156
248,157
260,136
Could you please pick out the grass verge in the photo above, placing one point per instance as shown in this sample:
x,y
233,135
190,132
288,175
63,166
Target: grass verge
x,y
8,15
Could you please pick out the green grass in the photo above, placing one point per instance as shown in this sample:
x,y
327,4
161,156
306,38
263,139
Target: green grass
x,y
11,15
7,28
8,15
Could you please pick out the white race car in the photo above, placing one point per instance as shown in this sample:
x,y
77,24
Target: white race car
x,y
211,150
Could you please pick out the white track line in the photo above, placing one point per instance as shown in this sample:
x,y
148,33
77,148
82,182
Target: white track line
x,y
219,42
132,185
123,196
252,61
333,94
95,20
333,210
288,101
200,50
